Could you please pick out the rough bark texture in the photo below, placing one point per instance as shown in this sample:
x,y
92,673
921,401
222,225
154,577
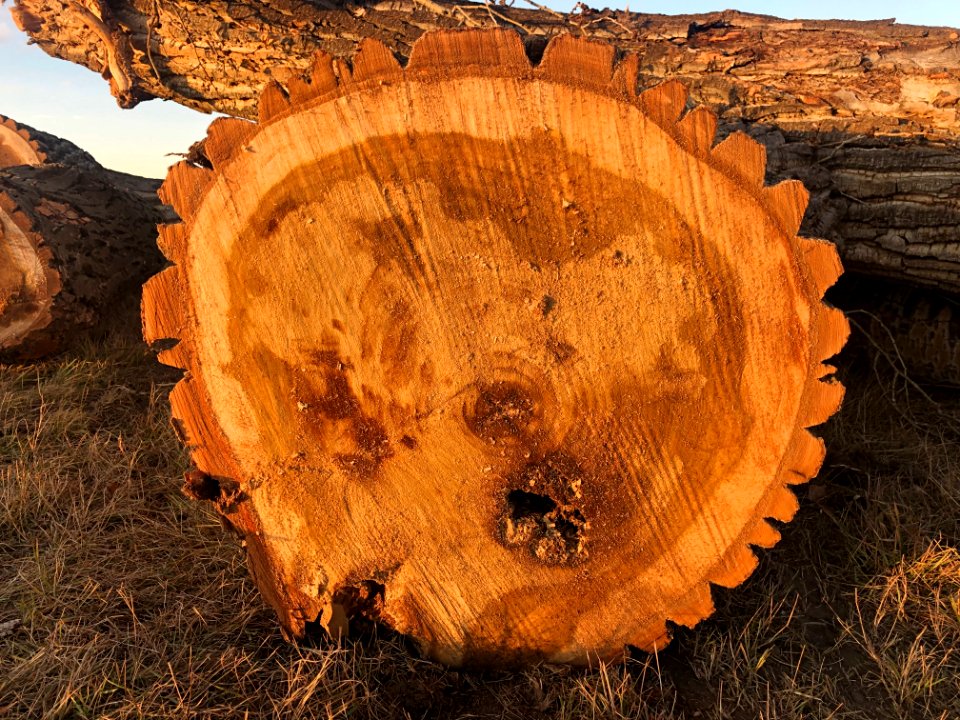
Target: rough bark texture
x,y
865,113
855,77
462,363
71,241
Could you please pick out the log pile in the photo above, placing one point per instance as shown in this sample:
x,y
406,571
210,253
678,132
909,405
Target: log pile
x,y
864,113
450,399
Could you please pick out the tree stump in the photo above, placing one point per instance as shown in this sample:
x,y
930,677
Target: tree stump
x,y
508,358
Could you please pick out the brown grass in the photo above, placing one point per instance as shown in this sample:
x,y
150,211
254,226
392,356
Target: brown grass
x,y
121,599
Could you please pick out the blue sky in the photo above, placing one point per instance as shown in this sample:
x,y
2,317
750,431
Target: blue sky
x,y
74,103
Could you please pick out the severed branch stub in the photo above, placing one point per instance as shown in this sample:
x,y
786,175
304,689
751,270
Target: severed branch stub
x,y
509,358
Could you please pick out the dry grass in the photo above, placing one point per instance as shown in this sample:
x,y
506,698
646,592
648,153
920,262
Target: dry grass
x,y
120,599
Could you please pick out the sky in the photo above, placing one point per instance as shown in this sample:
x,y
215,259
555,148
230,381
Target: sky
x,y
70,101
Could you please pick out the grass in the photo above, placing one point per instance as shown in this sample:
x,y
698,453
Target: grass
x,y
121,599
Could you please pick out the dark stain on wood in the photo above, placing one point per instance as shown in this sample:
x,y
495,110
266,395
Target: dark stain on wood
x,y
584,209
560,350
330,398
502,410
333,413
373,447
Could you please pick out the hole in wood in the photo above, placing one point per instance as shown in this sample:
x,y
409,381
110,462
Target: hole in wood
x,y
223,492
357,609
543,514
200,486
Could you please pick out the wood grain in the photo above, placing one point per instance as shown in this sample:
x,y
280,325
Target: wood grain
x,y
506,357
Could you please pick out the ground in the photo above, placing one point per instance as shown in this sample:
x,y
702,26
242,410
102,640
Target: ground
x,y
120,598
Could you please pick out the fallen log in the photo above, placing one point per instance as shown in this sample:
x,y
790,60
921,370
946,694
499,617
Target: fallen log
x,y
509,358
72,239
869,78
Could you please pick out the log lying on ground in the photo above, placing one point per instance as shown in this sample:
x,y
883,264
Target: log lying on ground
x,y
71,240
510,359
865,113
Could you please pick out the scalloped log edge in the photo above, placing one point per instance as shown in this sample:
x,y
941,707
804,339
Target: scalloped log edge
x,y
500,53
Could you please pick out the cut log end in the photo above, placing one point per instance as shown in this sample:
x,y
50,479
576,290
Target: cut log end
x,y
28,282
543,384
16,145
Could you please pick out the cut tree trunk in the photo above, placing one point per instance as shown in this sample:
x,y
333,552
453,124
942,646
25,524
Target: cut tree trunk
x,y
508,358
72,240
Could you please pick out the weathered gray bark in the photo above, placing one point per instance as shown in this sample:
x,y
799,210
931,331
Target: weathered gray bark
x,y
865,113
891,205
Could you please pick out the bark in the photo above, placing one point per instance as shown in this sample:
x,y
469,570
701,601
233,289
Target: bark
x,y
891,206
854,77
514,366
865,113
72,240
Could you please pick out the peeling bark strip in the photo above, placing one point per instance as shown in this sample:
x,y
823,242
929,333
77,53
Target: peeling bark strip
x,y
461,362
71,240
864,113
